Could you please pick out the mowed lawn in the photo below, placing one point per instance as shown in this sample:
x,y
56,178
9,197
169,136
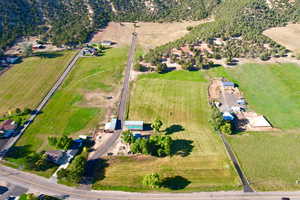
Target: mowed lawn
x,y
69,112
270,160
26,83
179,99
272,90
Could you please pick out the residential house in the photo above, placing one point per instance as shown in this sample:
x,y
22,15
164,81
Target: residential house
x,y
7,128
57,156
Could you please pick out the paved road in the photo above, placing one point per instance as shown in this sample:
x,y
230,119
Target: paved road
x,y
122,105
243,178
13,190
42,185
4,149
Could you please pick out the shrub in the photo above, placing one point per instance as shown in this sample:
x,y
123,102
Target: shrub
x,y
152,180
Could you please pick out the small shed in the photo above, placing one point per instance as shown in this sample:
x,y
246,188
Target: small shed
x,y
111,126
134,125
106,43
228,84
228,116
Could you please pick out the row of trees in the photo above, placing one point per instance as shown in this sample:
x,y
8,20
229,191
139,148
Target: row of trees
x,y
18,116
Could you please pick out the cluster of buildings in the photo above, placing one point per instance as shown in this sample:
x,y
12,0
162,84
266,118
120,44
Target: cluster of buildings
x,y
229,100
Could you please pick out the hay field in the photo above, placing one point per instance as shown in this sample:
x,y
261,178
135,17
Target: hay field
x,y
288,36
179,98
150,35
26,83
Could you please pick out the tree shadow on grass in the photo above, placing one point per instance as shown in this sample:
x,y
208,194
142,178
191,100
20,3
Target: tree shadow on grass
x,y
174,129
182,147
48,55
17,152
95,170
175,183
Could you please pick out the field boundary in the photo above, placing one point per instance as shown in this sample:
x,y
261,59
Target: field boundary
x,y
41,105
236,164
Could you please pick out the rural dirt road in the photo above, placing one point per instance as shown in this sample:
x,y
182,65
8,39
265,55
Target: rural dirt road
x,y
4,149
122,105
37,184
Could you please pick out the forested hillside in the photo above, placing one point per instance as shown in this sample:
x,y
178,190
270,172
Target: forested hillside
x,y
69,22
240,24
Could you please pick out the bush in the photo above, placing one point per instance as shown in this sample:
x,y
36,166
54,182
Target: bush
x,y
226,128
161,67
64,142
152,180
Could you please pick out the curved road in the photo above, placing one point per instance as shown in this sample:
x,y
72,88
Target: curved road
x,y
42,185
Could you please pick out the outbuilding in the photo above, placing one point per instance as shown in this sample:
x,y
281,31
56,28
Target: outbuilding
x,y
134,125
111,126
228,116
7,128
228,84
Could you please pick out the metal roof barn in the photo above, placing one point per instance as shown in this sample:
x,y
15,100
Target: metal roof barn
x,y
134,125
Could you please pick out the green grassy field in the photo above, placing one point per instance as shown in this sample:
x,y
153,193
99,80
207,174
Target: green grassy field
x,y
272,90
199,163
70,111
26,83
270,160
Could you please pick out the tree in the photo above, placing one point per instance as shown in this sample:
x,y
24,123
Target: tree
x,y
226,128
27,50
64,142
156,124
52,141
127,137
152,180
138,67
161,67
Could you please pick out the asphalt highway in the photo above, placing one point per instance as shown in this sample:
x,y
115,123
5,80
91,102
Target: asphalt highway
x,y
42,185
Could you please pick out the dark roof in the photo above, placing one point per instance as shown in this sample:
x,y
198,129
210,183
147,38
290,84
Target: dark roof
x,y
8,125
55,155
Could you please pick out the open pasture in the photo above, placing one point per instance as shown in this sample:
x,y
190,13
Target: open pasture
x,y
199,161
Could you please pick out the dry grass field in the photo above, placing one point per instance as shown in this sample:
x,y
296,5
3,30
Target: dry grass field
x,y
288,36
150,34
199,161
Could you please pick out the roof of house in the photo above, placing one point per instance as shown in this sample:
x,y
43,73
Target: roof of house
x,y
8,125
228,84
55,155
133,123
228,116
